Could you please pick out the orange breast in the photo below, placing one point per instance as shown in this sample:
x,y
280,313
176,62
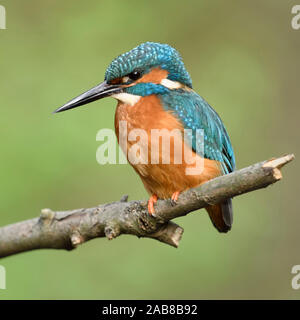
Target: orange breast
x,y
159,178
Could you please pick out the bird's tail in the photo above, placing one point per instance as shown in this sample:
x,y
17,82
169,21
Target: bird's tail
x,y
221,215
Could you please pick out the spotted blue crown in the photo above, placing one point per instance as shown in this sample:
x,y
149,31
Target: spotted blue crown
x,y
147,56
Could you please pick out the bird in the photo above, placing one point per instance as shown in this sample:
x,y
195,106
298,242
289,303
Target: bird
x,y
154,91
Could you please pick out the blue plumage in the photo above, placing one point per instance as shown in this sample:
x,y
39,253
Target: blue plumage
x,y
146,89
195,113
146,56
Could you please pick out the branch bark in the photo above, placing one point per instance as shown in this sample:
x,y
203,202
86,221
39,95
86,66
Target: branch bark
x,y
68,229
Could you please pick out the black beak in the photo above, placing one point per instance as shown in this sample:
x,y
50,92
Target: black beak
x,y
101,91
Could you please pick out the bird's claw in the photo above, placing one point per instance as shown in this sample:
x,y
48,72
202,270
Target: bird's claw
x,y
151,202
173,203
174,198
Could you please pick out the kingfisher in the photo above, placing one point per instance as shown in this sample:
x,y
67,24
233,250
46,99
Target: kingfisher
x,y
154,91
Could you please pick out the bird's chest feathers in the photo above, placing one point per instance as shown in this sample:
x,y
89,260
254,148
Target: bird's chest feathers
x,y
147,114
141,121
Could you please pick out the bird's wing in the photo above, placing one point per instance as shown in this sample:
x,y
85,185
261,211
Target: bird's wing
x,y
195,113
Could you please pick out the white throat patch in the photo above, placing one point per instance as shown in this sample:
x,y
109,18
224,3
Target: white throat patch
x,y
127,98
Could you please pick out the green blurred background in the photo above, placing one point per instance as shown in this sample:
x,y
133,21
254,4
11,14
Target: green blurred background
x,y
243,57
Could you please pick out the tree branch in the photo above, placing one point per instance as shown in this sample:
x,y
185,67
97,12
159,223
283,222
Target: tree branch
x,y
68,229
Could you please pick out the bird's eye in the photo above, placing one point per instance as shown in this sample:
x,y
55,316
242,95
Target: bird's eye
x,y
134,75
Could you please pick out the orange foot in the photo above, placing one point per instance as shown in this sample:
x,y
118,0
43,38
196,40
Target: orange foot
x,y
152,200
174,197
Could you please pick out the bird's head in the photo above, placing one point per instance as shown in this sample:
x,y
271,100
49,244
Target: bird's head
x,y
150,68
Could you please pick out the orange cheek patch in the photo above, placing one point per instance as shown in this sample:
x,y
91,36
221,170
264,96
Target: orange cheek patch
x,y
155,76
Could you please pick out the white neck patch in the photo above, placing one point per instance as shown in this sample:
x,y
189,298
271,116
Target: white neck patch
x,y
171,84
127,98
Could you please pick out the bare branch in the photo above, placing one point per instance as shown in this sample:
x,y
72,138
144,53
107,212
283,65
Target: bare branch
x,y
68,229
